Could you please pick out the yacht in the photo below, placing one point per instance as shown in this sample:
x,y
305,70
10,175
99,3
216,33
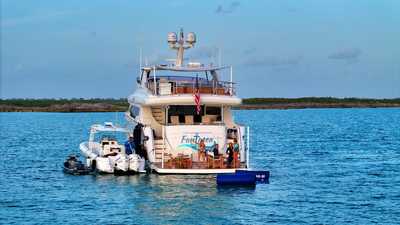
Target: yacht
x,y
182,111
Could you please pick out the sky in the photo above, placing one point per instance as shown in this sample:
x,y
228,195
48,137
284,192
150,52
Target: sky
x,y
278,48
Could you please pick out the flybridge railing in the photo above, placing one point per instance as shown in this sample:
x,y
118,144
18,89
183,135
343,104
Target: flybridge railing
x,y
171,85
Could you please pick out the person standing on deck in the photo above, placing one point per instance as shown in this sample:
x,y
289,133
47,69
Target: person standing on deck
x,y
202,150
229,152
215,151
235,153
130,146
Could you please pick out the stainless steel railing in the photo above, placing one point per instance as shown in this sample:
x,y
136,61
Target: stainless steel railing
x,y
174,87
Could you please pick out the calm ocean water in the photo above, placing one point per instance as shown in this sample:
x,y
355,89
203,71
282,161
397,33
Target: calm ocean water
x,y
334,166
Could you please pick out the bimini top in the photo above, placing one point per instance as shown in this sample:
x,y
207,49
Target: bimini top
x,y
188,68
107,126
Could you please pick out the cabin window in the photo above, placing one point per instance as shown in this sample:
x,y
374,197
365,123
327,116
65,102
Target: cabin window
x,y
185,110
186,114
134,111
214,111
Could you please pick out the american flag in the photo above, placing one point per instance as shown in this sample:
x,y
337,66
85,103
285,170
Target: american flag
x,y
197,96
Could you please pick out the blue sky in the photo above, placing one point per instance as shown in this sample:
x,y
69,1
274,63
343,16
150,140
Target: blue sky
x,y
65,49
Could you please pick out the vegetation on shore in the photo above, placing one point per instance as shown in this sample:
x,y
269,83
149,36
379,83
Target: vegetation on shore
x,y
64,105
111,105
318,100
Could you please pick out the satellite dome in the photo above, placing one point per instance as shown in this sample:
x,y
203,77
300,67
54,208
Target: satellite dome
x,y
191,38
172,37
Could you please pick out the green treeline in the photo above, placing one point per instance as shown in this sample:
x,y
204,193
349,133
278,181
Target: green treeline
x,y
322,100
49,102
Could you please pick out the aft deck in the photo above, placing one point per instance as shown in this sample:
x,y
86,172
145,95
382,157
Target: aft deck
x,y
187,166
192,171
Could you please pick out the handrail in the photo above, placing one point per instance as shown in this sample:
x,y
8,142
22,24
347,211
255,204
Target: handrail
x,y
189,87
169,144
248,148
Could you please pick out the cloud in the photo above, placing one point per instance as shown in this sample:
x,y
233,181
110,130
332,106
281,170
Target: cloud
x,y
227,8
271,61
350,54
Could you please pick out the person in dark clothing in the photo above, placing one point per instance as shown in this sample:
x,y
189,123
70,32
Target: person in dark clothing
x,y
138,140
229,152
130,146
138,135
215,151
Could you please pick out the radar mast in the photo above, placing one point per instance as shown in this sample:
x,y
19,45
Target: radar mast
x,y
181,44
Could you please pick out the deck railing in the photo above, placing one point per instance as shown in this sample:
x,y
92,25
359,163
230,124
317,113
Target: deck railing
x,y
166,86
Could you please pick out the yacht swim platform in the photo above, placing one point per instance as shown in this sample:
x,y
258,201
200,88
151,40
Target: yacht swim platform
x,y
196,168
192,171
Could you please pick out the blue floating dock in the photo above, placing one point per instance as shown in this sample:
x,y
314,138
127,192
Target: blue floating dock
x,y
243,178
236,179
262,176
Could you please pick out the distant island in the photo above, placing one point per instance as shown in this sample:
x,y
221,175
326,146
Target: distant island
x,y
120,105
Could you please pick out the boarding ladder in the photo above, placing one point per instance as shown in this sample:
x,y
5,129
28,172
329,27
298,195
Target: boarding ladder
x,y
159,148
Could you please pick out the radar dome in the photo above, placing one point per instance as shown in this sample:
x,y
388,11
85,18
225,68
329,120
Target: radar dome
x,y
191,38
172,37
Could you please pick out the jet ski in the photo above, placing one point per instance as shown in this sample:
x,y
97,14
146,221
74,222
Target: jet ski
x,y
74,166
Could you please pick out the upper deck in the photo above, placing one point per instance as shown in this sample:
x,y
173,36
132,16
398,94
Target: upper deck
x,y
170,80
176,83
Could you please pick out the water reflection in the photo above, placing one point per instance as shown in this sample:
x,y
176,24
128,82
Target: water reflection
x,y
173,196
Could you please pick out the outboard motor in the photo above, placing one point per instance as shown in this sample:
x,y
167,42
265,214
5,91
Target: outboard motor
x,y
121,163
134,162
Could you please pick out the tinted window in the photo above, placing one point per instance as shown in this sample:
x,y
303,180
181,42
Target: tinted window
x,y
210,110
183,110
135,111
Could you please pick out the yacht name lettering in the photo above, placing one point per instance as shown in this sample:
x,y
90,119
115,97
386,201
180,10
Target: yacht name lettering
x,y
196,139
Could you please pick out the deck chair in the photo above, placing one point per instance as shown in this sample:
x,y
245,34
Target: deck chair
x,y
205,120
188,120
175,120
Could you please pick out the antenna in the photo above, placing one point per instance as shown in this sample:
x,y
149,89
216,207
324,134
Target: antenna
x,y
140,60
179,44
219,57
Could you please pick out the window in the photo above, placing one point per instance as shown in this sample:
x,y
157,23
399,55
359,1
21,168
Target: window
x,y
134,111
185,110
213,112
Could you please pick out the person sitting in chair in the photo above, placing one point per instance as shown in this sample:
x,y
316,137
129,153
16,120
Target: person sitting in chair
x,y
130,146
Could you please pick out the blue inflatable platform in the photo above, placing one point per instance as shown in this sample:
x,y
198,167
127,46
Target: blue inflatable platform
x,y
243,178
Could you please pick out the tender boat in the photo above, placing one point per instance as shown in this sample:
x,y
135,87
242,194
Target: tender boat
x,y
179,107
106,155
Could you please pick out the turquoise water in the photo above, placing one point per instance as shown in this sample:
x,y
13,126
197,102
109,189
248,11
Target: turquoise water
x,y
331,166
